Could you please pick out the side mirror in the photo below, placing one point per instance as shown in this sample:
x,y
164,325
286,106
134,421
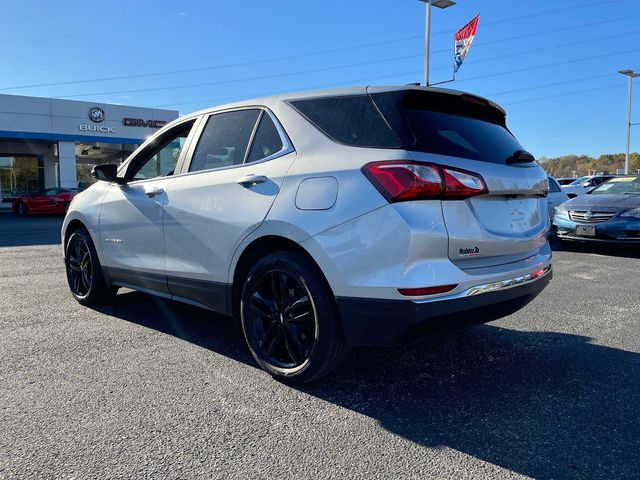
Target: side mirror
x,y
106,173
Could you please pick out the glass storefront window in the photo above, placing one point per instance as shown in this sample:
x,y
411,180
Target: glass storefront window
x,y
19,175
88,155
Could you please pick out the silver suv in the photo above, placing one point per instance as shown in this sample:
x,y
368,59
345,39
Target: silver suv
x,y
321,220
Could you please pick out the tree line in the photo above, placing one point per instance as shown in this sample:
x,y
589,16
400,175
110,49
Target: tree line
x,y
565,166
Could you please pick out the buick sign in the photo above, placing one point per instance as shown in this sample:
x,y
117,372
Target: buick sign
x,y
96,114
96,128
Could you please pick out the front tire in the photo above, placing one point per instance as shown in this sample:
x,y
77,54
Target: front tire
x,y
84,273
290,319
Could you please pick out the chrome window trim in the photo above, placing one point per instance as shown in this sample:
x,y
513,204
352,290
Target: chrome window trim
x,y
124,166
287,146
252,136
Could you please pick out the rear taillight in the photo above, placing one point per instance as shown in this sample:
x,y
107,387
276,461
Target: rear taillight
x,y
402,180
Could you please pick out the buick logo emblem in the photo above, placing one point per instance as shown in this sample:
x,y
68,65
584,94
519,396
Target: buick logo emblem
x,y
96,114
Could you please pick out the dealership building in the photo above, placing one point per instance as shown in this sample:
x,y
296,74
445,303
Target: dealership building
x,y
46,142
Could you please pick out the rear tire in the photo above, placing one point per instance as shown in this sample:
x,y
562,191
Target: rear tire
x,y
290,319
84,273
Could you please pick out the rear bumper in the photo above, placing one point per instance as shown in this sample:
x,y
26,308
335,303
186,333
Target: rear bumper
x,y
608,241
385,322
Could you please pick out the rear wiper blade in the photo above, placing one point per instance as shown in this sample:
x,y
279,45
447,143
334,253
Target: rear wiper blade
x,y
520,156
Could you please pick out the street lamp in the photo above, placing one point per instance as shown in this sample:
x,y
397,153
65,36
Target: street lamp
x,y
427,34
631,75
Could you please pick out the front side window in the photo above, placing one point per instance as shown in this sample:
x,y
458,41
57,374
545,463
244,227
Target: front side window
x,y
266,141
160,158
224,140
50,192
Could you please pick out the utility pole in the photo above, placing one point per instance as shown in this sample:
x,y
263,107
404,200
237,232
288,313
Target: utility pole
x,y
630,74
427,30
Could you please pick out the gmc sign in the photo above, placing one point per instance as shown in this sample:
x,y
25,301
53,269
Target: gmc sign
x,y
139,122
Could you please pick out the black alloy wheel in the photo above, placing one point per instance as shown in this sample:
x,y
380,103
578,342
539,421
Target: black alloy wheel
x,y
283,319
23,210
80,270
84,273
290,318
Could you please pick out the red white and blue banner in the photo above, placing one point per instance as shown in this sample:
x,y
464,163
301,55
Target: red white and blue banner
x,y
462,42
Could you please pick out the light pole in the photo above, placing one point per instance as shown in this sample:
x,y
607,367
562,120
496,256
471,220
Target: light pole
x,y
427,30
630,74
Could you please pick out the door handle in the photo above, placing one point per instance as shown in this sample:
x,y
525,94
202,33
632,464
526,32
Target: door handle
x,y
152,192
251,180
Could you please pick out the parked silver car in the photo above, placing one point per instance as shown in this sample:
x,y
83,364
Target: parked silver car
x,y
555,198
321,220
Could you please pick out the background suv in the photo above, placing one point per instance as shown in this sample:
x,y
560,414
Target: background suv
x,y
322,220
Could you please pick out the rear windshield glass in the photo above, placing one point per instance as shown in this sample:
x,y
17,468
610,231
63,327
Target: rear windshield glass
x,y
458,126
352,120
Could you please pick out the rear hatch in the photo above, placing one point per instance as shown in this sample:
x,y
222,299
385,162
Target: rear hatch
x,y
508,222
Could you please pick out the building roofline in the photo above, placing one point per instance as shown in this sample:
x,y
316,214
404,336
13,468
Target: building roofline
x,y
96,103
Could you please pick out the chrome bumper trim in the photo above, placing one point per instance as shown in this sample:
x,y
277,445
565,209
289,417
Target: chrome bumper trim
x,y
511,282
493,286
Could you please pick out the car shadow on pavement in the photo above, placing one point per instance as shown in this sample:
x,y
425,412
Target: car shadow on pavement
x,y
627,251
542,404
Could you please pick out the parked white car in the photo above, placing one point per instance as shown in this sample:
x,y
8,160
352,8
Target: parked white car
x,y
555,198
582,185
322,220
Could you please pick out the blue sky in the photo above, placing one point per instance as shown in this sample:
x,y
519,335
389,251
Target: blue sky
x,y
551,64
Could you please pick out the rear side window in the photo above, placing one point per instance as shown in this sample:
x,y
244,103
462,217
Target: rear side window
x,y
266,141
351,120
553,186
598,181
224,140
444,124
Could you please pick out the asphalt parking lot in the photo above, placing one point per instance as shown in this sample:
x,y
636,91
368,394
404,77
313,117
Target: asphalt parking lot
x,y
150,388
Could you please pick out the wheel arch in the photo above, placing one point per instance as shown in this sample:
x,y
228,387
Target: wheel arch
x,y
254,251
71,227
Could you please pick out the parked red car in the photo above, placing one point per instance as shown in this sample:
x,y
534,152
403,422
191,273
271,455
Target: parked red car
x,y
52,201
